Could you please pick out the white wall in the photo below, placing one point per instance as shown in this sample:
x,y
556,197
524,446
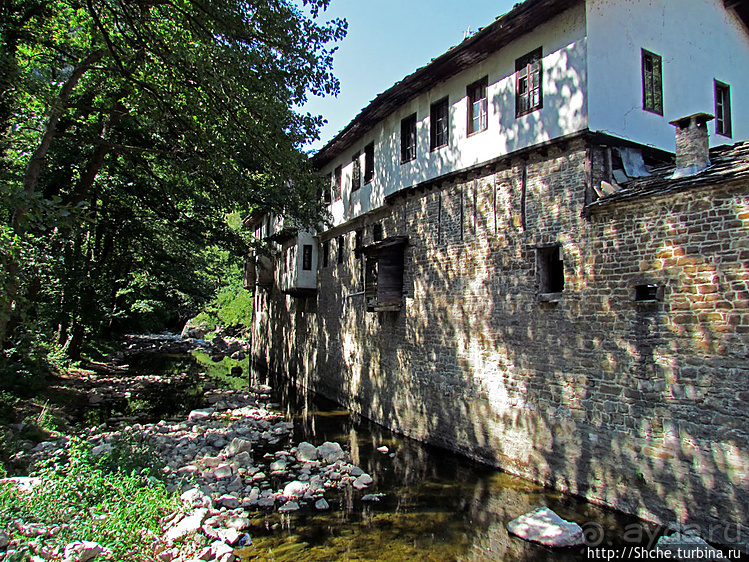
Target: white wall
x,y
699,41
564,111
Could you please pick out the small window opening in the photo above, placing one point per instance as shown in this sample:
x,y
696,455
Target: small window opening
x,y
551,269
477,106
652,82
377,232
646,293
307,257
337,175
326,253
408,139
722,109
369,163
340,249
356,172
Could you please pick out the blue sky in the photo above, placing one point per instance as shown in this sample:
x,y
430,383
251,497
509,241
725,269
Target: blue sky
x,y
386,41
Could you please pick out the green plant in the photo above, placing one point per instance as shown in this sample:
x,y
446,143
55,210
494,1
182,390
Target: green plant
x,y
118,510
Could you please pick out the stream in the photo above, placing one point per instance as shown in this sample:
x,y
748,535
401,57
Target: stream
x,y
434,505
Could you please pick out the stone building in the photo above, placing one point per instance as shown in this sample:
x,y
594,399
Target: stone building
x,y
518,270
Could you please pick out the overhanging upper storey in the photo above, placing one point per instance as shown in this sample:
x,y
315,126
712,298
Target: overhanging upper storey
x,y
525,17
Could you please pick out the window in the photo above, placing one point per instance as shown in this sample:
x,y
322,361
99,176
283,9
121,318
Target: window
x,y
439,122
528,83
477,106
369,163
384,266
652,83
323,195
307,257
340,249
356,172
550,269
337,175
408,139
722,109
358,244
647,293
325,253
377,232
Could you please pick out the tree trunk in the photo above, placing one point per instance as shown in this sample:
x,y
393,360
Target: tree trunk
x,y
9,304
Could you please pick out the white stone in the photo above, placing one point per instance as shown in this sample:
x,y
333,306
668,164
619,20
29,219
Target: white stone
x,y
278,466
546,527
330,452
690,547
238,445
188,526
223,471
229,536
306,452
322,505
201,414
295,489
81,551
23,483
237,523
384,450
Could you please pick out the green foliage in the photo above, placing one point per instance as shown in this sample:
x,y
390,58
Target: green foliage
x,y
120,511
129,131
231,308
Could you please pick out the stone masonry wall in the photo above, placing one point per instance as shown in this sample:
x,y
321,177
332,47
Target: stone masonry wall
x,y
637,405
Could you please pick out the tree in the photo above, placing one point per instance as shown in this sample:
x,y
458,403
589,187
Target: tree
x,y
130,129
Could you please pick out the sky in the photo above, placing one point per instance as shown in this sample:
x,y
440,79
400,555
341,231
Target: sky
x,y
388,40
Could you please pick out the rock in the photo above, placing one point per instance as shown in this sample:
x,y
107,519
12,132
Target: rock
x,y
236,371
372,497
278,466
235,485
201,414
306,452
23,483
289,507
686,547
322,505
193,329
4,539
223,471
330,452
384,450
220,343
195,498
295,489
220,548
188,526
102,449
229,536
237,523
238,445
228,501
81,551
238,355
362,481
546,527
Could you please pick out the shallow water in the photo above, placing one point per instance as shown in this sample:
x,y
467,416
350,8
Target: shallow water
x,y
436,505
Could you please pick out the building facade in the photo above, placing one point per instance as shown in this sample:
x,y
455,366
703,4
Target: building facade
x,y
517,271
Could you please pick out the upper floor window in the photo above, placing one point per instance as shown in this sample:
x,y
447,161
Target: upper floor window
x,y
307,257
356,172
652,82
369,163
337,175
324,194
528,74
439,123
408,139
477,106
722,109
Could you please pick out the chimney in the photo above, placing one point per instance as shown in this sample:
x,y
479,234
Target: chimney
x,y
692,145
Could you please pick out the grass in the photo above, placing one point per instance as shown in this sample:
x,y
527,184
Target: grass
x,y
95,500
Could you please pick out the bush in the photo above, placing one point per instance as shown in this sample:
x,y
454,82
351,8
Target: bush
x,y
94,502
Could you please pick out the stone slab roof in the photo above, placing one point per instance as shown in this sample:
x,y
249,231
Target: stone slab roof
x,y
728,164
